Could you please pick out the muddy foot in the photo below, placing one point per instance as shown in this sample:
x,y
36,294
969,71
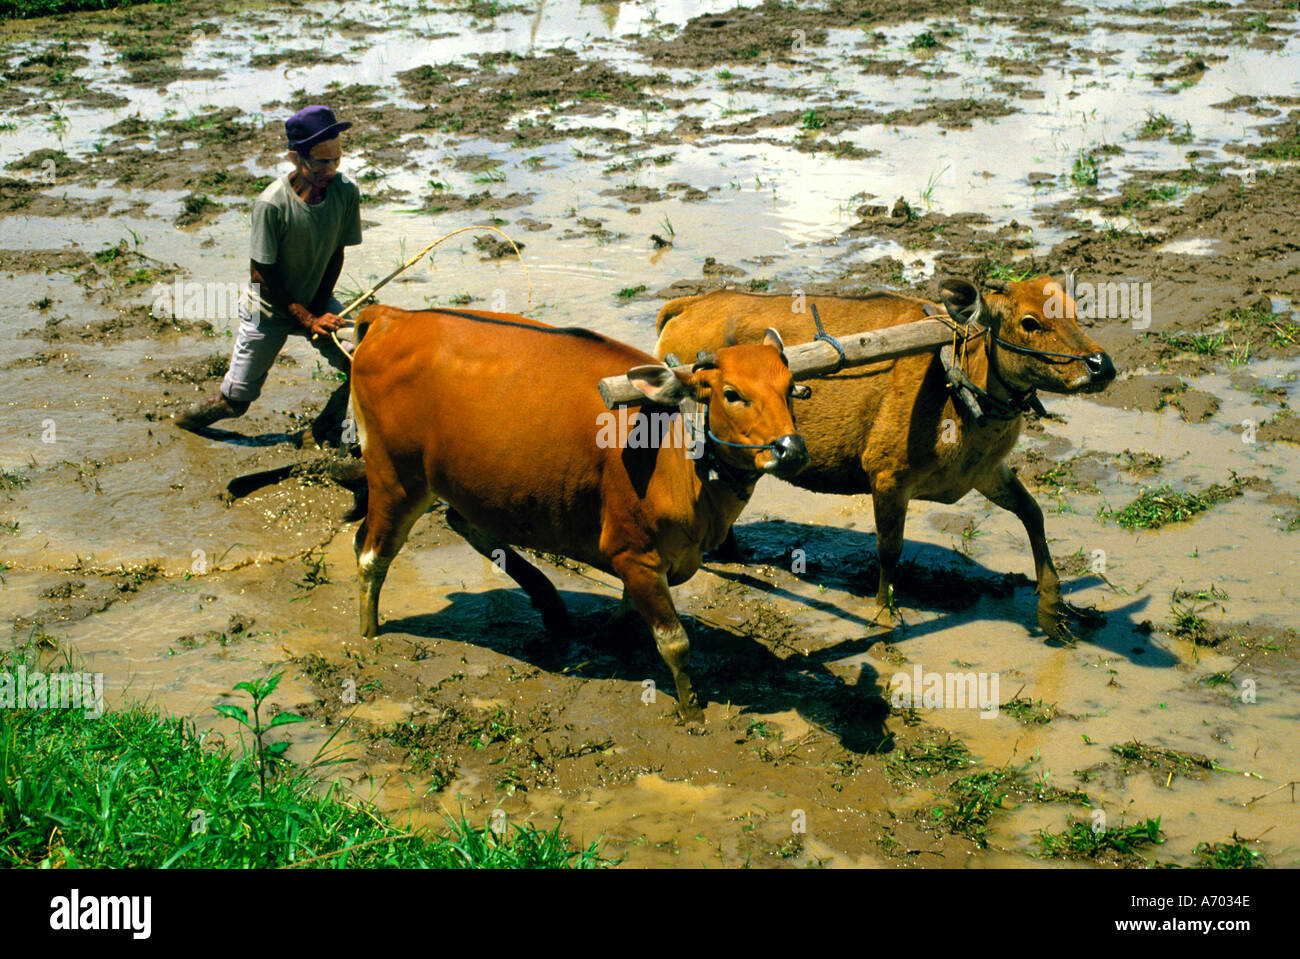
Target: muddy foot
x,y
1059,620
887,615
691,711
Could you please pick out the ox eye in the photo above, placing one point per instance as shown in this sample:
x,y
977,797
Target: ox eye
x,y
731,396
1030,324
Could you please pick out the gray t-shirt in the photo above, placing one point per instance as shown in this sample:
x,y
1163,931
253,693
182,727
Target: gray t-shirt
x,y
300,238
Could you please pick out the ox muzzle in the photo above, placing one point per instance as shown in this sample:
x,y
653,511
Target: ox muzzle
x,y
1100,368
789,456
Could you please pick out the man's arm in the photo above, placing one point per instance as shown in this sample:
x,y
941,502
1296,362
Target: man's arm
x,y
267,277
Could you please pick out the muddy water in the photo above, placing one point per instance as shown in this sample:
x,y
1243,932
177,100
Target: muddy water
x,y
762,164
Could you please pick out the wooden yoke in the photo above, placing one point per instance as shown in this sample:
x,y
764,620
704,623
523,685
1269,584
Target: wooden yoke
x,y
819,358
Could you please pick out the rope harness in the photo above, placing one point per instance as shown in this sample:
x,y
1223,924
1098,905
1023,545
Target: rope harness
x,y
827,338
982,405
738,480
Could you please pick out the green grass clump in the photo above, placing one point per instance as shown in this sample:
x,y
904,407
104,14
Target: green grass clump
x,y
13,480
974,800
1155,125
1158,506
923,41
1008,274
1227,855
811,120
1082,841
1160,760
1086,170
925,759
136,790
1030,712
1140,199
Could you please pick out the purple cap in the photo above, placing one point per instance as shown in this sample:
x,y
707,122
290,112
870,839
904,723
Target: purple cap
x,y
310,126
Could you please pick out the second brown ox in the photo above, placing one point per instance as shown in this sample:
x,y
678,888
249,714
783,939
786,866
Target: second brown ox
x,y
893,429
500,417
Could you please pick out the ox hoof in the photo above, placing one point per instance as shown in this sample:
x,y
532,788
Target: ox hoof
x,y
1056,620
887,615
690,713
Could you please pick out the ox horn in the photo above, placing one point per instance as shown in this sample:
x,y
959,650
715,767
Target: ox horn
x,y
997,286
704,360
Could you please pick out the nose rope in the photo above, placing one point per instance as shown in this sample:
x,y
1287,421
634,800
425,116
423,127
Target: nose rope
x,y
740,481
708,430
1026,351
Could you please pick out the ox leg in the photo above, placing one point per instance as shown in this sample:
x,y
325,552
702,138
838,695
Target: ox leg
x,y
1054,613
381,535
889,503
648,591
541,591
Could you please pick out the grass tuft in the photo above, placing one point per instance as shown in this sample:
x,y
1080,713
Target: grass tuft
x,y
136,790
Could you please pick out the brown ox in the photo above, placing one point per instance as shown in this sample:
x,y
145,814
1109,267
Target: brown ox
x,y
500,417
893,429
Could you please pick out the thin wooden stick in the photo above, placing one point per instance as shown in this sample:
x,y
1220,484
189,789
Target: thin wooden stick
x,y
419,256
406,266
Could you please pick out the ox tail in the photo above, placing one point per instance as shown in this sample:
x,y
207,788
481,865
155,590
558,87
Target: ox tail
x,y
670,309
351,475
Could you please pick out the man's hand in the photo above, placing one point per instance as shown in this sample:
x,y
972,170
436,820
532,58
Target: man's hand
x,y
322,325
327,323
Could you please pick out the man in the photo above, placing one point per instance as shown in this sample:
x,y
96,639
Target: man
x,y
301,223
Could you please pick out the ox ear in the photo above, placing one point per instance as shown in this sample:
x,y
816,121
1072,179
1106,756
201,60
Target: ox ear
x,y
962,299
773,339
660,384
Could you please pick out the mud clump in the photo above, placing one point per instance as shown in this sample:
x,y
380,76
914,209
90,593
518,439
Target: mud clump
x,y
560,82
1284,427
495,247
134,323
1156,392
443,202
200,371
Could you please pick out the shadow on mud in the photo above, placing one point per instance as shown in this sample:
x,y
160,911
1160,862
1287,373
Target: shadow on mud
x,y
930,578
232,438
726,666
